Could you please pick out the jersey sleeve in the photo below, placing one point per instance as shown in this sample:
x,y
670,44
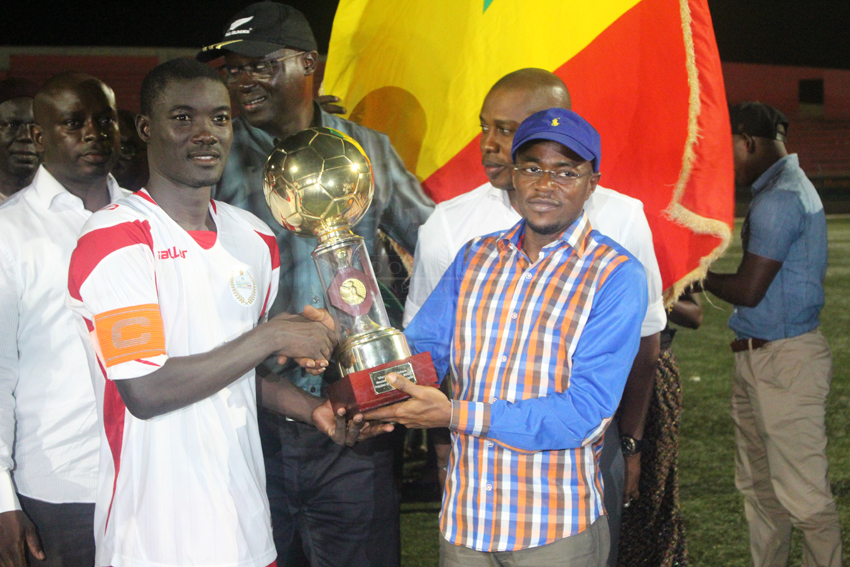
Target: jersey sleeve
x,y
112,284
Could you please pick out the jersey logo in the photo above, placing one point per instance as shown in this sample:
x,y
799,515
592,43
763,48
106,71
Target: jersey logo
x,y
130,333
243,286
172,253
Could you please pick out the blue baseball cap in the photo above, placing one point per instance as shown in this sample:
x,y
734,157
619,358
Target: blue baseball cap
x,y
562,126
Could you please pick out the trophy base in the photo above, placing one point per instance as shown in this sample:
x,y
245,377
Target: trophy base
x,y
365,390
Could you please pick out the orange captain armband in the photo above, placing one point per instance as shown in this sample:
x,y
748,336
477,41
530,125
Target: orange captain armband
x,y
130,333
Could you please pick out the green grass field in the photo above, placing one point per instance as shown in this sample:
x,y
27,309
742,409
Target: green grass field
x,y
714,512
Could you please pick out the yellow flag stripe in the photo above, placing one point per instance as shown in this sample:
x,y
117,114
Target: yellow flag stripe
x,y
442,56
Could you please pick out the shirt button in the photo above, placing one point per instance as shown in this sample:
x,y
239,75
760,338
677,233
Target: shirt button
x,y
504,358
513,315
489,487
493,400
528,276
490,443
312,389
315,299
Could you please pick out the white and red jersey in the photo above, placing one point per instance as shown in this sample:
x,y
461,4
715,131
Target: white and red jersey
x,y
188,487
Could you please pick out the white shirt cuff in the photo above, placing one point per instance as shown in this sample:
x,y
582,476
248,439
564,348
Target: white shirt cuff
x,y
8,495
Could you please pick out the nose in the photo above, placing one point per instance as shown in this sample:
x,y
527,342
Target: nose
x,y
205,135
92,130
489,145
24,133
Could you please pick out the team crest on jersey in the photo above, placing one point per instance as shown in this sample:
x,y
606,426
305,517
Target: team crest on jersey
x,y
243,286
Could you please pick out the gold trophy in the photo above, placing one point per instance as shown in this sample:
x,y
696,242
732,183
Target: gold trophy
x,y
319,183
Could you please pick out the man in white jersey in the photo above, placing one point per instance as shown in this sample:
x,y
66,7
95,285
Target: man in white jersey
x,y
492,208
173,289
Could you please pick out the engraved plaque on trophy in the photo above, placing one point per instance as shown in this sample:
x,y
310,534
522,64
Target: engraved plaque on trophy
x,y
319,183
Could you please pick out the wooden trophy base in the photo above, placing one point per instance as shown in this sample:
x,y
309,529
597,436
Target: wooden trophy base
x,y
366,390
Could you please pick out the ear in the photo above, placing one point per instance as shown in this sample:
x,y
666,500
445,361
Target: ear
x,y
38,138
143,127
310,60
750,143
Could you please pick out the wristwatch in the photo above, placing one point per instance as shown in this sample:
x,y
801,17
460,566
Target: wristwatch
x,y
630,445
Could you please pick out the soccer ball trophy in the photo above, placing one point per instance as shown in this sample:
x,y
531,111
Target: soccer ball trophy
x,y
319,183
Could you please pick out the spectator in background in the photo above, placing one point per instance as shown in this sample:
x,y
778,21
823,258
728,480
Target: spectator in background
x,y
783,365
341,500
48,420
18,156
131,169
652,533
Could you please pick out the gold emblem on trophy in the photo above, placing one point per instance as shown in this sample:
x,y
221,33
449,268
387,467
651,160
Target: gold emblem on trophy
x,y
319,183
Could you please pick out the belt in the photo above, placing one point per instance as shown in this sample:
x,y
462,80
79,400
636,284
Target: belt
x,y
740,345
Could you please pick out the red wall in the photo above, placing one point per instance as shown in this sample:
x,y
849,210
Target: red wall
x,y
124,74
779,86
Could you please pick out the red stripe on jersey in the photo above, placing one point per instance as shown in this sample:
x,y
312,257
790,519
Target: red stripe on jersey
x,y
96,245
271,242
114,412
205,238
215,209
143,193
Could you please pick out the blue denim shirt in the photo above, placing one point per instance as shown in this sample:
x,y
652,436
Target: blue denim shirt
x,y
786,223
398,207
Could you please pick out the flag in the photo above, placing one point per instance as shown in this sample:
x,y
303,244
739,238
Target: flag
x,y
645,73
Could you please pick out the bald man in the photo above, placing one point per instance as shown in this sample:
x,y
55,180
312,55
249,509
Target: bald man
x,y
48,419
492,207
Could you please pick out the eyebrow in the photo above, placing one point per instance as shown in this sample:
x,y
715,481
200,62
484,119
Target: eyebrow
x,y
189,107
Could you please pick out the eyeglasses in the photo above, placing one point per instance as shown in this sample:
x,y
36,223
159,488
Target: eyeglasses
x,y
563,178
263,69
7,128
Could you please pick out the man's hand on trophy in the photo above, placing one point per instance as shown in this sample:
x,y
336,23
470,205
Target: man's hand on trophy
x,y
314,367
342,431
427,407
309,341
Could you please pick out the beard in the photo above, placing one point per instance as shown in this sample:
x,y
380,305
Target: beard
x,y
545,230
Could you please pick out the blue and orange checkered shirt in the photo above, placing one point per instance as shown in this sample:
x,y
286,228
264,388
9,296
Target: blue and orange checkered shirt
x,y
539,355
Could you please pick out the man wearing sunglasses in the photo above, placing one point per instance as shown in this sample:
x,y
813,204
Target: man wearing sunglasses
x,y
341,501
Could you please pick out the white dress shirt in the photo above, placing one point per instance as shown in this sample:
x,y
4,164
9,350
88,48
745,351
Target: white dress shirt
x,y
488,209
49,440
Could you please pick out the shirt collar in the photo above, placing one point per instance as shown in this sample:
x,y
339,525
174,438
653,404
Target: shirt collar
x,y
574,236
789,161
48,189
499,195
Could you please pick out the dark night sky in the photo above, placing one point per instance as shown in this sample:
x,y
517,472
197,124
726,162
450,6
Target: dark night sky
x,y
788,32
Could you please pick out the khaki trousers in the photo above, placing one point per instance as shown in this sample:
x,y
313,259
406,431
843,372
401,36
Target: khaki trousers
x,y
585,549
778,406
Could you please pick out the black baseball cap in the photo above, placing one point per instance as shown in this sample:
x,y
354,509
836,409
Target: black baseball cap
x,y
758,119
260,29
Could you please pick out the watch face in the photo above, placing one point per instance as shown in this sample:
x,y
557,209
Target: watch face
x,y
629,445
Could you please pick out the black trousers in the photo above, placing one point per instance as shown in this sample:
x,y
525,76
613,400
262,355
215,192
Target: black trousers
x,y
341,502
66,532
